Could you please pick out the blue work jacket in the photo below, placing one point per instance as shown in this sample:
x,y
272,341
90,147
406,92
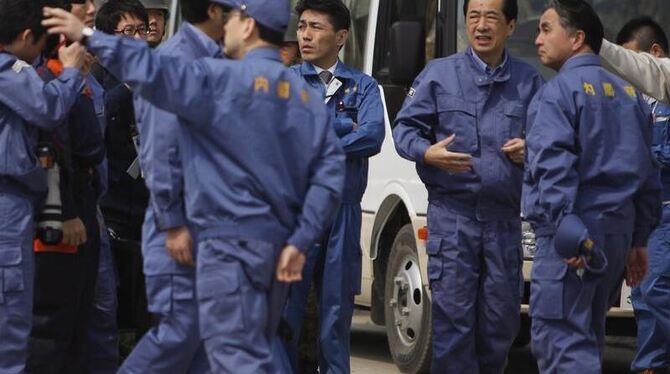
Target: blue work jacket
x,y
263,160
160,132
357,115
661,143
456,95
589,153
28,104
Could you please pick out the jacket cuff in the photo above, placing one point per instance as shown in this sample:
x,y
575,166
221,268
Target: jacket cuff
x,y
171,218
72,73
419,149
300,241
641,236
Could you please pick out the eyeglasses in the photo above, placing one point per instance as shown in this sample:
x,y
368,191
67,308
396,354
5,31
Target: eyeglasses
x,y
131,30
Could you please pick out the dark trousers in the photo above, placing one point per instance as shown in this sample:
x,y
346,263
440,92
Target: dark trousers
x,y
63,297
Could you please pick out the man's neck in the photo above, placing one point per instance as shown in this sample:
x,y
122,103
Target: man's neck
x,y
259,43
208,29
325,63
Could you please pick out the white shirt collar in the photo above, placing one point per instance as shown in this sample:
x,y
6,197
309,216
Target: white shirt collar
x,y
331,69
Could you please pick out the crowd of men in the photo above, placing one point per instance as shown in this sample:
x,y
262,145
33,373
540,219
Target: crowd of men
x,y
239,180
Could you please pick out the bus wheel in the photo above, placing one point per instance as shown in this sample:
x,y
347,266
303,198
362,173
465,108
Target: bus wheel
x,y
407,306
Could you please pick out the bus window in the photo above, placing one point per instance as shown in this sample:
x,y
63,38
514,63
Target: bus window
x,y
354,48
424,10
614,14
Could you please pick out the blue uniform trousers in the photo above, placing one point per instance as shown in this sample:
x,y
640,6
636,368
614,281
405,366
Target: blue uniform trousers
x,y
476,283
103,334
240,304
651,301
16,281
335,266
173,345
568,311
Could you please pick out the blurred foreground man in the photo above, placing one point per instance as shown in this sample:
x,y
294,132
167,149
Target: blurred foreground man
x,y
356,113
256,203
651,299
173,345
591,191
463,123
28,105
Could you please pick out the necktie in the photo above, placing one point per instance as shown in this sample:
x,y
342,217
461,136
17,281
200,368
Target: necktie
x,y
326,76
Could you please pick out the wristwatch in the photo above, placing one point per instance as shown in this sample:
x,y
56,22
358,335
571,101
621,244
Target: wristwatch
x,y
86,33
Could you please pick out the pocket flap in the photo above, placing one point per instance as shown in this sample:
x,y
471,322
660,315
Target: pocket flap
x,y
447,103
13,279
515,110
225,282
182,287
433,246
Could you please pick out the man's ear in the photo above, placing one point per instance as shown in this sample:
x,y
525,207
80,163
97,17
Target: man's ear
x,y
341,37
249,28
27,36
511,26
656,50
579,40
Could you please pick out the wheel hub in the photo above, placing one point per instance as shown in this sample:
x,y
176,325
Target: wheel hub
x,y
407,301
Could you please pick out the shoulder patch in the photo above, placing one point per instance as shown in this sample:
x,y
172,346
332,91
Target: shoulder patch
x,y
19,65
411,92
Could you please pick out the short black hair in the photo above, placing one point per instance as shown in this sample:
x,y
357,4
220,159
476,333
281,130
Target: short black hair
x,y
337,12
509,8
112,12
195,11
645,31
17,16
579,15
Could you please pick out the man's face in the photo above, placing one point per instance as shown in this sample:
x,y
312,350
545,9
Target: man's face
x,y
233,38
487,27
132,27
156,25
85,11
317,38
554,43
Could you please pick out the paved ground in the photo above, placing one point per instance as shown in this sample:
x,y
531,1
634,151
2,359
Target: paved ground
x,y
370,352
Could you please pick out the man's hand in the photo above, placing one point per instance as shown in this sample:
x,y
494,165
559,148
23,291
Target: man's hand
x,y
438,155
575,262
59,21
74,232
179,244
636,266
89,60
515,150
72,56
289,267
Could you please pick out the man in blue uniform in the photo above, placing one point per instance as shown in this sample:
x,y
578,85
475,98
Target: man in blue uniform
x,y
357,114
591,190
650,299
463,123
264,168
174,344
28,104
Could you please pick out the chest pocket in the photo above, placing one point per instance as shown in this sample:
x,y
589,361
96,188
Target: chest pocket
x,y
457,117
513,120
346,105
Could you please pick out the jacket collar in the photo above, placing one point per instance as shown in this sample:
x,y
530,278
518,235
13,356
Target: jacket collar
x,y
264,53
502,74
586,59
341,70
204,45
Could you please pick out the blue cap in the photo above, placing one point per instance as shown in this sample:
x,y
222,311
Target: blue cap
x,y
273,14
572,240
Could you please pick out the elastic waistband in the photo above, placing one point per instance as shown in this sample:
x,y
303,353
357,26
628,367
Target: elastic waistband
x,y
491,213
605,226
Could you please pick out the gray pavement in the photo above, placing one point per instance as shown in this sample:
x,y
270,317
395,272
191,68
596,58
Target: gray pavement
x,y
370,354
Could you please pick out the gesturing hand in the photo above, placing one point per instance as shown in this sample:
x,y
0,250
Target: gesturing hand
x,y
179,244
438,155
515,150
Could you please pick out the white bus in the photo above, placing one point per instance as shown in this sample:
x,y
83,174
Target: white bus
x,y
392,40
